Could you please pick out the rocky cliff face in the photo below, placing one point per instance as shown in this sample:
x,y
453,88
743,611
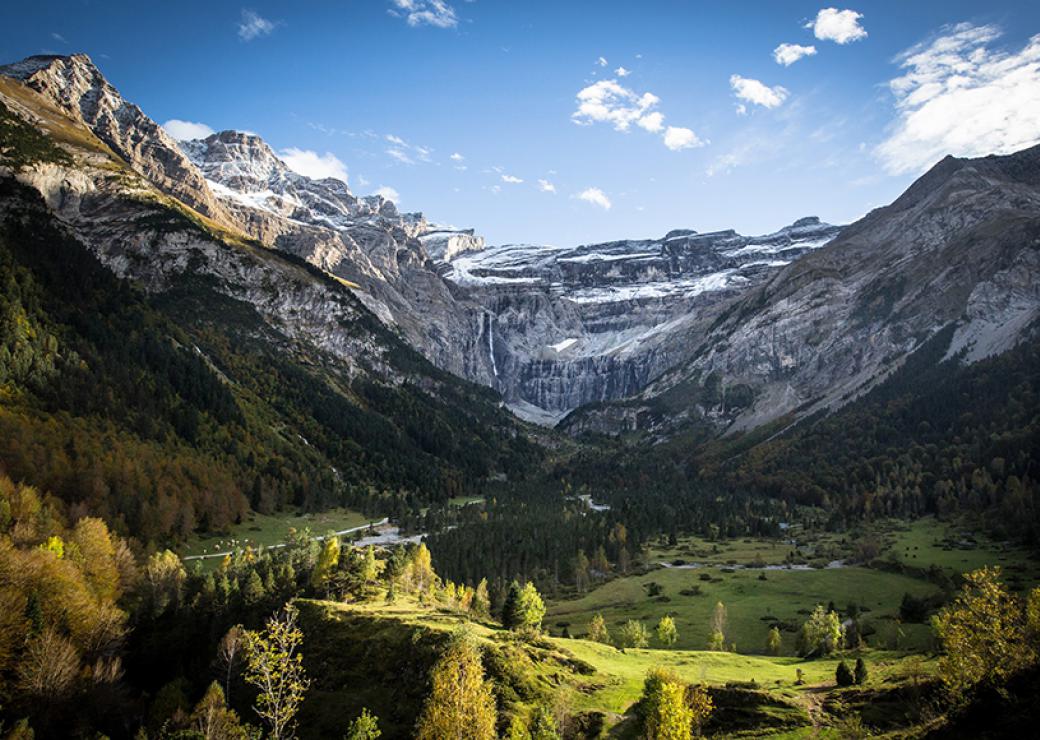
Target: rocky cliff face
x,y
76,87
961,246
563,327
549,328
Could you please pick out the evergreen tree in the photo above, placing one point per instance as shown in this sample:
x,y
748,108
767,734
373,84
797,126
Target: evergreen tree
x,y
860,671
843,675
509,606
461,703
253,593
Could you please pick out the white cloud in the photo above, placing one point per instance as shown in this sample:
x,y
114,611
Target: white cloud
x,y
511,180
187,130
59,38
396,140
596,197
608,101
253,26
960,96
840,26
755,92
389,193
362,181
602,61
546,187
437,13
311,164
456,157
652,122
788,54
677,138
622,72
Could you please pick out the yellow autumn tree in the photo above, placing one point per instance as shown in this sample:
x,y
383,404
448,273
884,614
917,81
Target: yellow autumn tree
x,y
461,705
663,710
983,633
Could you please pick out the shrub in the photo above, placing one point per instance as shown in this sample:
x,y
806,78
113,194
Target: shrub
x,y
844,675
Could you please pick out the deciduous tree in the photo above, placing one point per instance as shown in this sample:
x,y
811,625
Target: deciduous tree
x,y
461,704
274,666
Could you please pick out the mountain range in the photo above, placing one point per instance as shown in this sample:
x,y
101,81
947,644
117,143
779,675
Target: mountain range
x,y
719,330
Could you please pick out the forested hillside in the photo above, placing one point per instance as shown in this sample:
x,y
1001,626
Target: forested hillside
x,y
170,413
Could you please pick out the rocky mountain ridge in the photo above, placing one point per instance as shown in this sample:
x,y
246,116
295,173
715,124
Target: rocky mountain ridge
x,y
797,320
960,247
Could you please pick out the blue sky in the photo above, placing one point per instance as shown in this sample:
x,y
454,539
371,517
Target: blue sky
x,y
551,108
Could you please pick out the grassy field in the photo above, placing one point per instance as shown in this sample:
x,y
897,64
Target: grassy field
x,y
958,549
271,529
752,604
583,676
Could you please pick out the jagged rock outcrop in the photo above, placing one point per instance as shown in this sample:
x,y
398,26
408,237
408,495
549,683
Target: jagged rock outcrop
x,y
76,87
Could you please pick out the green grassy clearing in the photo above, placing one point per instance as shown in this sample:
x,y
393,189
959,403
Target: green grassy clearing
x,y
752,604
959,549
271,529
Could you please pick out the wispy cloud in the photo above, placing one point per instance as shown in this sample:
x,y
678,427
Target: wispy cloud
x,y
187,130
407,153
456,157
546,187
622,72
311,164
840,26
511,179
960,96
602,62
436,13
251,25
596,197
788,54
757,93
59,38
